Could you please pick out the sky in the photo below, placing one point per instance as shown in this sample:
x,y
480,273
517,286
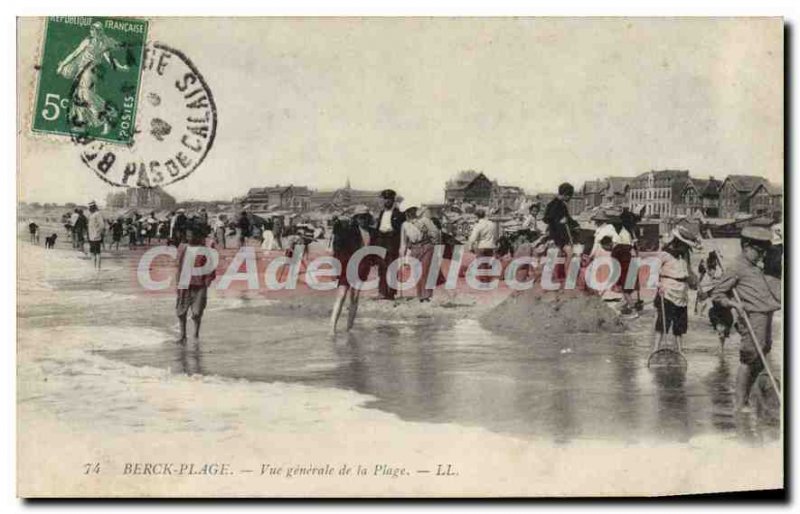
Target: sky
x,y
407,103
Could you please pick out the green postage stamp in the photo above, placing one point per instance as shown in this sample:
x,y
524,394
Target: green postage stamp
x,y
89,77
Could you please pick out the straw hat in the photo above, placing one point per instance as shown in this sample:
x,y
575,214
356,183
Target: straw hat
x,y
758,235
686,236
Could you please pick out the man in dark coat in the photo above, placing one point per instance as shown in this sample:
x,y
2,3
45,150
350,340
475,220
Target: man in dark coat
x,y
561,226
389,221
244,226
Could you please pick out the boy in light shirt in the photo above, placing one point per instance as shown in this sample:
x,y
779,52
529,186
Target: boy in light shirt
x,y
675,280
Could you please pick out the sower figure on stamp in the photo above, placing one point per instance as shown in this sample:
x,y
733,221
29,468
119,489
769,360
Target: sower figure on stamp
x,y
390,222
760,297
85,65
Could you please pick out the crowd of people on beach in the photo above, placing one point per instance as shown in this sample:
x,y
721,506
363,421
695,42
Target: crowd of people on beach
x,y
743,297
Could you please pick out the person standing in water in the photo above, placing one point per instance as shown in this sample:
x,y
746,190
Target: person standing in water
x,y
117,229
33,228
348,238
675,279
96,228
194,295
760,296
80,230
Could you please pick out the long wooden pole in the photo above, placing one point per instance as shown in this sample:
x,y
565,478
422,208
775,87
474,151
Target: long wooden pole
x,y
752,332
758,349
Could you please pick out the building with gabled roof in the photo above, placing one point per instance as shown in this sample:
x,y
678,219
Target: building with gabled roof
x,y
765,199
699,197
278,197
658,191
735,192
476,188
469,186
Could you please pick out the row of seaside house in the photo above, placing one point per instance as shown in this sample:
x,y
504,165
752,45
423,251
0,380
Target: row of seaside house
x,y
663,193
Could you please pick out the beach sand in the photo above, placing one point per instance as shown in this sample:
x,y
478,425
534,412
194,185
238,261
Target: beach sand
x,y
83,417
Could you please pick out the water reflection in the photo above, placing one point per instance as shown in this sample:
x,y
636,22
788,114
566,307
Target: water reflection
x,y
672,404
626,363
719,385
190,359
540,385
559,387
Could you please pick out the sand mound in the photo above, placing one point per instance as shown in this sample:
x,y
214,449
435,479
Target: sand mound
x,y
561,312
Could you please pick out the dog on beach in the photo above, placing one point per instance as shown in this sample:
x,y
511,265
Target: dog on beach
x,y
50,241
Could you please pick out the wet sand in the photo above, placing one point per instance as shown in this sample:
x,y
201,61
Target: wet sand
x,y
414,385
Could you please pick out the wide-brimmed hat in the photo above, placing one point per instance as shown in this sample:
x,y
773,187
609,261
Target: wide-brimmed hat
x,y
92,203
757,235
687,237
411,210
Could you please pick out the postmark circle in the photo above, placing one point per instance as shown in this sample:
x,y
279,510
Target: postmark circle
x,y
176,123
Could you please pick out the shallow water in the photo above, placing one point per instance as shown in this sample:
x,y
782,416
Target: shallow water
x,y
564,388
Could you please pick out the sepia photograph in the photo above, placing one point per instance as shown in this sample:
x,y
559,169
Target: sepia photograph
x,y
399,257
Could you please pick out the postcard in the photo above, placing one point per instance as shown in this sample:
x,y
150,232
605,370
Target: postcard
x,y
399,257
